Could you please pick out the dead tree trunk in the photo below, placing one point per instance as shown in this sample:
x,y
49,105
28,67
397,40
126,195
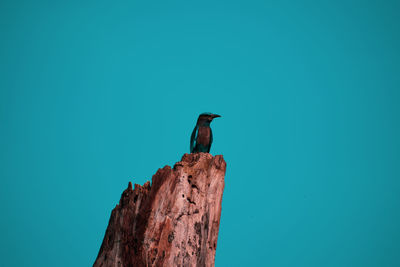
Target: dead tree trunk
x,y
172,222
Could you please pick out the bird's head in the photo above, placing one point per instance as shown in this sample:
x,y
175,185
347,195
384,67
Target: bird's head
x,y
206,118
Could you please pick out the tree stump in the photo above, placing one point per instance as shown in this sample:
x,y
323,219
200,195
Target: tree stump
x,y
172,222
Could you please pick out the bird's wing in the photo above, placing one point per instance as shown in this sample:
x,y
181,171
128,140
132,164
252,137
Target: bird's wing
x,y
193,138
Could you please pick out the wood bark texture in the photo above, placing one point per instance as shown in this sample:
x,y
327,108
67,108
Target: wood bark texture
x,y
172,222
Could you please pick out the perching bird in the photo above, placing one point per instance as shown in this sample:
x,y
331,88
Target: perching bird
x,y
201,138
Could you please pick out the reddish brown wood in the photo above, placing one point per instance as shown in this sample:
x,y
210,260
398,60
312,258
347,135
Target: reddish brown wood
x,y
172,222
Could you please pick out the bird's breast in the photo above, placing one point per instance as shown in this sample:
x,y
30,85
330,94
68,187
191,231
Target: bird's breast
x,y
203,136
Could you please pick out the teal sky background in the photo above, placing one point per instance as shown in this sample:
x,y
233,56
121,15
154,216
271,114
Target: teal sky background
x,y
94,94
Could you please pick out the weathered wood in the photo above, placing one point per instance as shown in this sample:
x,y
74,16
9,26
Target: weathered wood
x,y
172,222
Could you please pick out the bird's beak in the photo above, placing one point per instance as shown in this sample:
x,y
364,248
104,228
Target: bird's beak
x,y
215,116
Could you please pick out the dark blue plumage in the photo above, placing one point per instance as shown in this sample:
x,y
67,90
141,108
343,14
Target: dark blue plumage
x,y
201,138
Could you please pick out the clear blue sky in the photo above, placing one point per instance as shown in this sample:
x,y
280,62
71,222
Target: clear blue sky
x,y
94,94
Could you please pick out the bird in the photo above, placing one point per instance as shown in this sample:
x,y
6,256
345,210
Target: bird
x,y
201,138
